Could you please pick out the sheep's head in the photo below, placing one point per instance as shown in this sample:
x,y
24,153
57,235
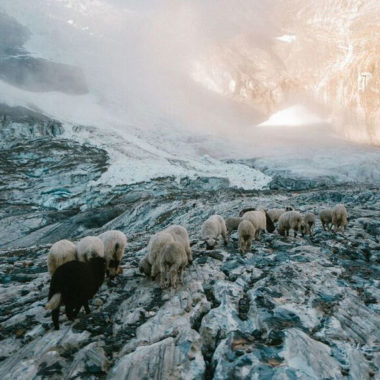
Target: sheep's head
x,y
112,267
210,243
303,228
145,267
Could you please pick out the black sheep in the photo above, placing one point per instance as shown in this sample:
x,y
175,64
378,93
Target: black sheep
x,y
72,285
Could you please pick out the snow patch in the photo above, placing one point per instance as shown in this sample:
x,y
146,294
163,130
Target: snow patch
x,y
287,38
293,116
135,159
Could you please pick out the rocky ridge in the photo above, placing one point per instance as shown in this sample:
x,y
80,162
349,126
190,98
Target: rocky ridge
x,y
292,308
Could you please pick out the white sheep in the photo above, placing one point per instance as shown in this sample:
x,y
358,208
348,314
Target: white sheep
x,y
246,232
275,213
289,220
212,228
260,220
326,218
60,252
89,247
181,236
172,259
114,244
232,223
149,263
308,224
339,217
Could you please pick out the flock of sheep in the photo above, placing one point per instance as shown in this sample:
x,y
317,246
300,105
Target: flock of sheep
x,y
78,270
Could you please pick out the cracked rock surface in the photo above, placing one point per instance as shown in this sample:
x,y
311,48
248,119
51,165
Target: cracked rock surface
x,y
291,308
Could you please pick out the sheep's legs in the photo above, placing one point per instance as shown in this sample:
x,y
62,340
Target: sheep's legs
x,y
69,312
76,310
173,275
225,240
163,278
189,254
249,244
258,235
180,275
55,318
86,308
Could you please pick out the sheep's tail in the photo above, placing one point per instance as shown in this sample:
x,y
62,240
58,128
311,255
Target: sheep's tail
x,y
54,302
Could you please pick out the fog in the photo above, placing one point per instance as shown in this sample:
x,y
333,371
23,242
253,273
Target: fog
x,y
137,57
134,65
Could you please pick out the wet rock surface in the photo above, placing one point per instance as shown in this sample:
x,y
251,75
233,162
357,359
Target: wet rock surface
x,y
292,308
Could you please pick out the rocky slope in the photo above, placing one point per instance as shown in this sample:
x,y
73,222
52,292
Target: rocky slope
x,y
292,308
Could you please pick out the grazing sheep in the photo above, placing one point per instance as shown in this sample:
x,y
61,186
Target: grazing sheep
x,y
171,261
326,218
275,213
246,232
181,236
339,217
149,263
261,221
242,212
212,228
232,223
89,247
72,285
308,224
60,252
114,245
289,220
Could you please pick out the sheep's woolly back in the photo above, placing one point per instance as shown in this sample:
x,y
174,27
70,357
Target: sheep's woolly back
x,y
246,230
339,216
275,213
173,254
60,252
54,302
242,212
181,236
114,243
309,219
232,223
326,215
213,227
339,212
172,260
257,218
89,247
290,219
156,243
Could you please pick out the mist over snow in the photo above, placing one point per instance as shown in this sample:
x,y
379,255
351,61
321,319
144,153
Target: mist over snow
x,y
147,76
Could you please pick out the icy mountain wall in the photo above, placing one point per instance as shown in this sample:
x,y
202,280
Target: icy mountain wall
x,y
326,51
